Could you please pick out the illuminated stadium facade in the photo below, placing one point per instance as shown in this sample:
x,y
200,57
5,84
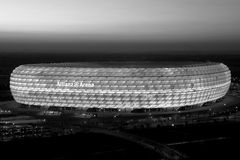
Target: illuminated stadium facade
x,y
120,85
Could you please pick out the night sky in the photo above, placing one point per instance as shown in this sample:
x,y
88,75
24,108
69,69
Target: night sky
x,y
119,25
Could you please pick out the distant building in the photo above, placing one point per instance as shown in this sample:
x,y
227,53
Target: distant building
x,y
129,85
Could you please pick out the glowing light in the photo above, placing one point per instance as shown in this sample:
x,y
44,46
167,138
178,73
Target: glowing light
x,y
119,87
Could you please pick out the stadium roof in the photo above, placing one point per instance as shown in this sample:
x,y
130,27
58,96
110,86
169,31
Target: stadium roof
x,y
124,64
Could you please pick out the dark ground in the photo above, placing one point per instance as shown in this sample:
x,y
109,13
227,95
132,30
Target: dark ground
x,y
204,141
99,146
79,146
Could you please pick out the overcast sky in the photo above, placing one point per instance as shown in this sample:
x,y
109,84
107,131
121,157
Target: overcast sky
x,y
161,21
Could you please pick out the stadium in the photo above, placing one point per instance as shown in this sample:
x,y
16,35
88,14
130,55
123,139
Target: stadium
x,y
120,85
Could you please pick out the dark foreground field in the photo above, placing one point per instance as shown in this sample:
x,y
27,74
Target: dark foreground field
x,y
203,141
79,146
206,141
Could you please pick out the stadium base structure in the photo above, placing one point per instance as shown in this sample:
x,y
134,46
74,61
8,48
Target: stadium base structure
x,y
120,85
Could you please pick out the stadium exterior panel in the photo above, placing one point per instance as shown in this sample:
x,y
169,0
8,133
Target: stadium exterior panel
x,y
130,85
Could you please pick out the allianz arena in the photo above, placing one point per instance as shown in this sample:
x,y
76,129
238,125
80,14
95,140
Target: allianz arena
x,y
129,85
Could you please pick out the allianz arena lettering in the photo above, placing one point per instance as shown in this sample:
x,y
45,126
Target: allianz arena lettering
x,y
119,85
74,84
